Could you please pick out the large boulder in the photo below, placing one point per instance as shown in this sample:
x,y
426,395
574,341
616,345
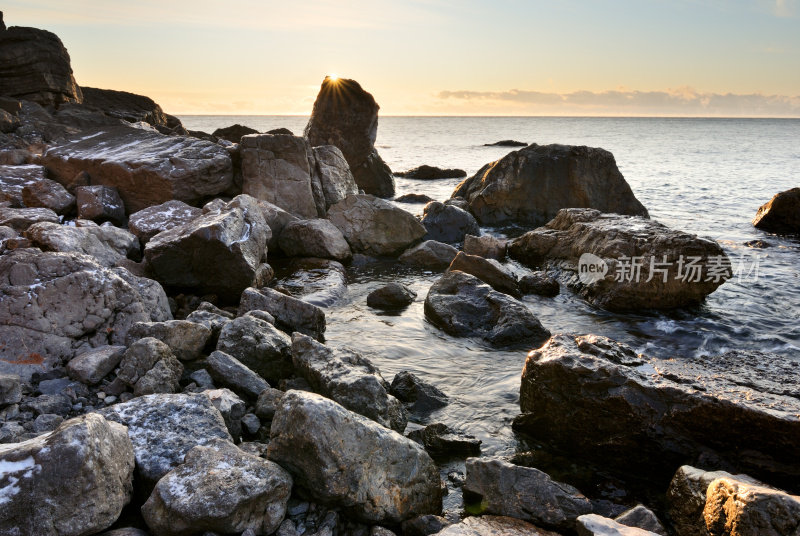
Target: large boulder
x,y
58,305
464,306
447,223
531,185
219,488
346,116
258,345
334,174
314,238
14,179
126,106
343,375
146,167
108,245
374,226
36,67
277,219
741,508
149,367
342,459
506,489
290,313
624,263
148,222
218,253
597,397
100,204
70,482
781,214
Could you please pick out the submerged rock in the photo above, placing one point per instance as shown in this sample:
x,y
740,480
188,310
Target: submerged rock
x,y
441,441
419,396
391,296
414,198
506,143
430,173
429,254
531,185
539,283
320,282
781,214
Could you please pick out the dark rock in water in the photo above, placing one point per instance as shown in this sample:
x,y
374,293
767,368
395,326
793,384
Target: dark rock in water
x,y
290,313
14,179
441,441
376,475
429,254
36,67
506,143
314,238
531,185
100,204
148,222
320,282
430,173
623,263
346,116
596,397
486,246
259,345
781,214
419,396
523,492
414,198
391,296
146,167
127,106
540,284
234,133
446,223
281,130
487,270
758,244
464,306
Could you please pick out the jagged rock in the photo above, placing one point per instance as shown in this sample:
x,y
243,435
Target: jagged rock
x,y
10,389
314,238
259,346
234,133
623,263
487,246
20,219
100,204
487,270
48,194
346,116
419,396
149,366
280,169
227,370
781,214
664,411
334,174
539,283
414,198
36,67
531,185
441,441
376,475
290,313
429,254
464,306
164,427
231,407
92,366
643,518
431,173
59,305
14,179
740,508
148,222
374,226
123,105
217,253
185,339
348,378
596,525
72,481
108,245
446,223
391,296
146,167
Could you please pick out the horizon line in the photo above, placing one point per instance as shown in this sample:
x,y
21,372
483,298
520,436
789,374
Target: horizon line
x,y
790,117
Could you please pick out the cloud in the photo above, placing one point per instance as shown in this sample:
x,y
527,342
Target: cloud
x,y
683,101
784,8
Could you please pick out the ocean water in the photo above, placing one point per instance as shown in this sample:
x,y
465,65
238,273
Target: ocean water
x,y
704,176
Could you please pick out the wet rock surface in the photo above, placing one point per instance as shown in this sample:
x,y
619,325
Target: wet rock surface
x,y
781,214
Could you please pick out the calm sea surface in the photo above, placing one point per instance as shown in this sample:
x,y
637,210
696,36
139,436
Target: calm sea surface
x,y
705,176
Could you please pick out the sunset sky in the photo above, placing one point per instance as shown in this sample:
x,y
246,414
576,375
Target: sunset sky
x,y
441,57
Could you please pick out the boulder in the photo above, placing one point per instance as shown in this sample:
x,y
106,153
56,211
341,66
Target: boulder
x,y
346,116
20,219
449,224
442,442
334,174
127,106
429,254
391,296
487,246
464,306
219,488
149,366
70,482
267,403
14,179
10,389
623,263
741,508
217,253
347,461
487,270
314,238
343,375
781,214
290,313
231,407
92,366
643,518
148,222
595,396
59,305
418,396
227,370
186,339
146,167
48,194
234,133
494,526
100,204
280,169
259,346
320,282
8,123
414,198
531,185
36,67
596,525
375,227
108,245
164,427
539,283
276,219
431,173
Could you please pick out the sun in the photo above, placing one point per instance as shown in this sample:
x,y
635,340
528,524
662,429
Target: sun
x,y
333,77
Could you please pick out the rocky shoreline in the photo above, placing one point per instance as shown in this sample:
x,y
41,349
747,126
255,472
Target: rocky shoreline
x,y
164,368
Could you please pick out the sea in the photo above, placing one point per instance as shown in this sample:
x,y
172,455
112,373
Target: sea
x,y
700,175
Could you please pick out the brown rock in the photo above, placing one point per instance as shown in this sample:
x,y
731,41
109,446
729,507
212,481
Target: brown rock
x,y
781,214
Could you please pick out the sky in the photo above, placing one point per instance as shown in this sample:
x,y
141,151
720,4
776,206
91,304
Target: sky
x,y
438,57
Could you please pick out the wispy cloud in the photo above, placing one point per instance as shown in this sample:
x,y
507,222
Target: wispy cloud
x,y
784,8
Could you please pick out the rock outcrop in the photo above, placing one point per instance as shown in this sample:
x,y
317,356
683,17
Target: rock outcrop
x,y
314,238
346,116
234,133
449,224
126,106
431,173
781,214
334,174
531,185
